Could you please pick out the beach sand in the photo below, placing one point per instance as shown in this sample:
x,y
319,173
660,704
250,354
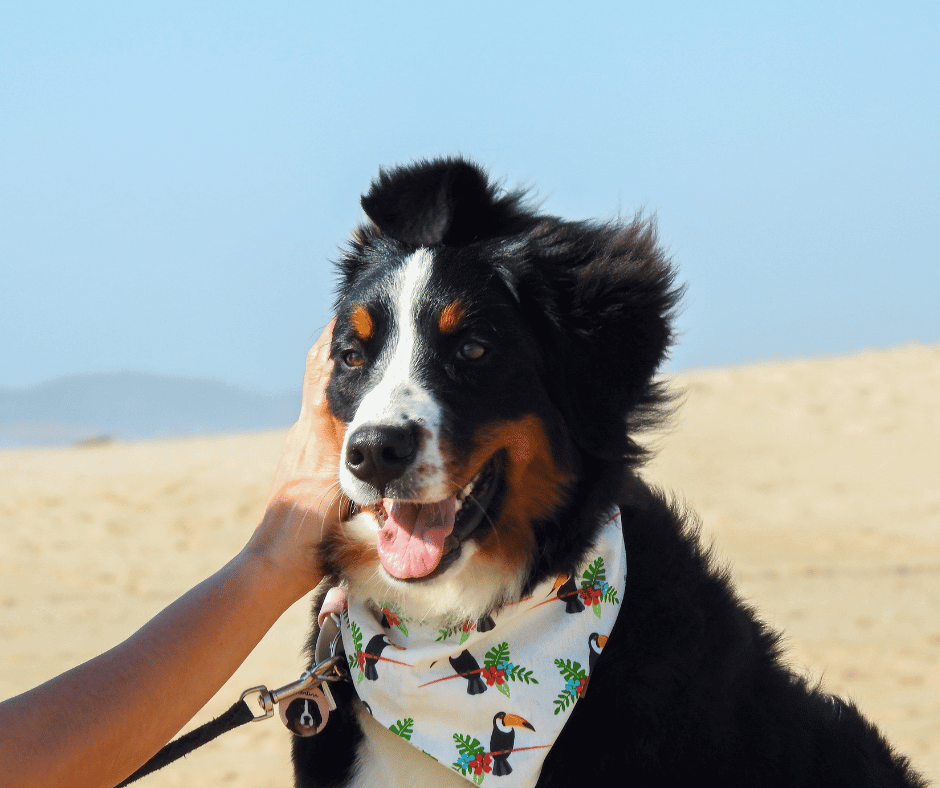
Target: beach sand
x,y
817,481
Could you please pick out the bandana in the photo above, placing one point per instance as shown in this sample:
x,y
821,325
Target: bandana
x,y
489,698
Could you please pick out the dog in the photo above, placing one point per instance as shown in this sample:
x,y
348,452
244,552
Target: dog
x,y
493,369
303,717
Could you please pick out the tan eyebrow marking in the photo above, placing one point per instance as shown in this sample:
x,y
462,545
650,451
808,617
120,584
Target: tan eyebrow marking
x,y
362,323
450,317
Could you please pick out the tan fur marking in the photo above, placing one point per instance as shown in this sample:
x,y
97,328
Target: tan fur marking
x,y
450,317
348,553
338,547
535,485
346,550
362,323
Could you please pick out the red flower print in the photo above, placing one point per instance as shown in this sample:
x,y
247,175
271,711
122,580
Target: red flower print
x,y
494,675
481,763
393,620
361,659
582,686
468,626
591,595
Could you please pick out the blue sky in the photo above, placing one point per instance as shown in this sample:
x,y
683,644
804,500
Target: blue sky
x,y
175,177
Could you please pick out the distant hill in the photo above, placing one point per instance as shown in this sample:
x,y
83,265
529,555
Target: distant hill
x,y
134,406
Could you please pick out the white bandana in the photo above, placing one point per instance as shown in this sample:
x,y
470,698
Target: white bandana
x,y
489,704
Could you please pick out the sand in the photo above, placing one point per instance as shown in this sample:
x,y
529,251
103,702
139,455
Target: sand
x,y
817,481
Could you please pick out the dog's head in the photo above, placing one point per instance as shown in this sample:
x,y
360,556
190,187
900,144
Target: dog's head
x,y
487,358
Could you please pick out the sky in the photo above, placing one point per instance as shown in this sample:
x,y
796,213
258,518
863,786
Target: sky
x,y
176,177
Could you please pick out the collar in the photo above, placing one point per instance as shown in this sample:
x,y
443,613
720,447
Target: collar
x,y
489,698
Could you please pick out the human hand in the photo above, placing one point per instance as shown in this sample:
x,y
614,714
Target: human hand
x,y
305,498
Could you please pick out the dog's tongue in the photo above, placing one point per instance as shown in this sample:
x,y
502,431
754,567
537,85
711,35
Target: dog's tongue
x,y
411,543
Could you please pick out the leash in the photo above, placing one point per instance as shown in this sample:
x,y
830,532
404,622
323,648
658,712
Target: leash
x,y
562,664
238,714
313,687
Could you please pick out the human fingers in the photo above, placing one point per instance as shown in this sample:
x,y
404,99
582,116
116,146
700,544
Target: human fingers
x,y
311,450
317,371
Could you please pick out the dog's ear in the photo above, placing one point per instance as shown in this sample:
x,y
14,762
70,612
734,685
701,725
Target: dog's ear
x,y
444,201
604,298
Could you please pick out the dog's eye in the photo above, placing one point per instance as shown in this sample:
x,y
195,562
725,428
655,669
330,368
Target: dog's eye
x,y
353,358
471,351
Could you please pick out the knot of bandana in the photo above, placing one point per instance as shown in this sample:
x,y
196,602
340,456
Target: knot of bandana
x,y
489,698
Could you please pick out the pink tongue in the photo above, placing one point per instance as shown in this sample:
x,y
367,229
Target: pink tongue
x,y
411,543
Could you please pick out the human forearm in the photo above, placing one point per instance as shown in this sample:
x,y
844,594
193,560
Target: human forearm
x,y
172,666
94,725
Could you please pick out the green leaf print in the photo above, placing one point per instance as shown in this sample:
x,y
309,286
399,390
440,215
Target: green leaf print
x,y
496,654
575,676
562,702
472,755
464,629
355,660
356,635
404,728
595,574
446,633
467,745
569,669
520,674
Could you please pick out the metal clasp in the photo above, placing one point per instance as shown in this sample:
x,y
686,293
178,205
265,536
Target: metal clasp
x,y
322,673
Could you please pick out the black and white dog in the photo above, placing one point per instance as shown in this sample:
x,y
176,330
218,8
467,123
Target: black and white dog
x,y
493,367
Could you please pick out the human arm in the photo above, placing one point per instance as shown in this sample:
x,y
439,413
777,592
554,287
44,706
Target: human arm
x,y
177,661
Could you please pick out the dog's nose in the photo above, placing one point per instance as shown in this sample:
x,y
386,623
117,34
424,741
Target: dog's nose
x,y
379,455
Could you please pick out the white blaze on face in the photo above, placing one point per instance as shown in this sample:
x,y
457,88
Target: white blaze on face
x,y
397,399
306,718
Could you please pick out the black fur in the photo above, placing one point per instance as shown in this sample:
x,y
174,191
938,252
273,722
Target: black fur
x,y
691,687
447,201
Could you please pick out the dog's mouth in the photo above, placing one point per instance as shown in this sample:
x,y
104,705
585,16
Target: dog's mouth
x,y
418,541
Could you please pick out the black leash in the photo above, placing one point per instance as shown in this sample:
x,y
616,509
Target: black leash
x,y
323,673
237,715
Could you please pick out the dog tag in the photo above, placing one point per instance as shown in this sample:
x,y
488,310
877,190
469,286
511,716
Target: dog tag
x,y
325,688
307,712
